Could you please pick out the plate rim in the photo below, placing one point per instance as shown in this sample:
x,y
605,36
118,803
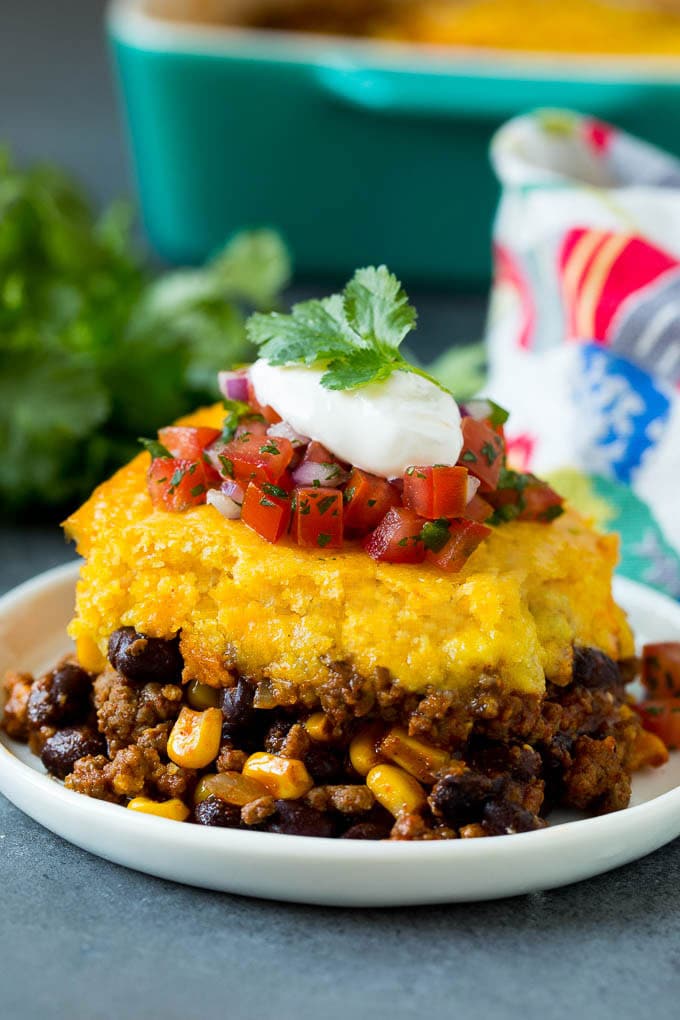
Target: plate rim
x,y
271,845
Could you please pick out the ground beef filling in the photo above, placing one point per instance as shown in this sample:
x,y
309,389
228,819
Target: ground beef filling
x,y
374,761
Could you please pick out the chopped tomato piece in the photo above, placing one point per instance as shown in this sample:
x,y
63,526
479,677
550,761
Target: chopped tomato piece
x,y
187,442
267,412
318,517
525,498
483,452
437,491
661,669
252,458
190,443
464,537
398,538
367,500
252,425
478,509
662,717
267,510
318,453
175,484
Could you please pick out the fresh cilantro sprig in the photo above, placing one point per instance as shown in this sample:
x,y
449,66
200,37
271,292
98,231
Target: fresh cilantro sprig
x,y
355,336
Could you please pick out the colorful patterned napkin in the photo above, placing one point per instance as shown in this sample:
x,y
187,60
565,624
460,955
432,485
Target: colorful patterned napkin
x,y
584,326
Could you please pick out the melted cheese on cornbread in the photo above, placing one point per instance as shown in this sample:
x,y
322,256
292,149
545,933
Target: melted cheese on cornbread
x,y
527,594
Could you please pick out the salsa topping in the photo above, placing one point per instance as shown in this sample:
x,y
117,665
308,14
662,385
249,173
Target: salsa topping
x,y
287,485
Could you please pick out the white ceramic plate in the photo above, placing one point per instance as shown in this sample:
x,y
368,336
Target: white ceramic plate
x,y
337,872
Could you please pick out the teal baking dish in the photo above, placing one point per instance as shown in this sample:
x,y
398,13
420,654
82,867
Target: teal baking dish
x,y
358,152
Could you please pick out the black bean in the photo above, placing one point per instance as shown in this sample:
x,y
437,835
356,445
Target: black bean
x,y
503,817
365,830
520,762
325,765
65,747
237,703
592,668
60,697
143,659
293,818
460,799
213,811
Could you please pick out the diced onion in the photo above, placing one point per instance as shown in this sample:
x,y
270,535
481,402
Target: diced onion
x,y
285,431
312,473
472,486
232,489
233,385
478,409
228,507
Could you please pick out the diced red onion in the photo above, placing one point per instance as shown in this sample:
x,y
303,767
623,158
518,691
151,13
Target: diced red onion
x,y
228,507
233,385
286,431
472,486
232,489
311,473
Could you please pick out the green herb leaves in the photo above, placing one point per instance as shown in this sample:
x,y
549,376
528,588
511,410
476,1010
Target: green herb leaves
x,y
155,448
355,336
93,351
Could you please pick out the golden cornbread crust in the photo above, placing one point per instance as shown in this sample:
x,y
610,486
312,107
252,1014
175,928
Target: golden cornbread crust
x,y
525,598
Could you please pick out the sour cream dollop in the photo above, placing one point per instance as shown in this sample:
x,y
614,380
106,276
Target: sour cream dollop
x,y
382,428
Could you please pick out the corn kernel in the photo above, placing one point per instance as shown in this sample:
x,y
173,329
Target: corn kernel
x,y
284,778
420,759
648,749
173,809
201,696
395,789
194,740
363,752
231,787
319,727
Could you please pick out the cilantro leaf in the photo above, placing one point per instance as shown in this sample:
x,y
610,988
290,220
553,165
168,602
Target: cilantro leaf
x,y
155,448
377,307
354,336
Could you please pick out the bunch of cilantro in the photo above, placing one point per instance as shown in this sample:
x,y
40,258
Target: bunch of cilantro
x,y
93,350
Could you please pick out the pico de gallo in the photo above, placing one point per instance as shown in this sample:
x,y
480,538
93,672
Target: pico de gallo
x,y
660,709
285,485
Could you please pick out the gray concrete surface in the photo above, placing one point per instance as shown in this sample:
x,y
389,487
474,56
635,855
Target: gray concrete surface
x,y
82,939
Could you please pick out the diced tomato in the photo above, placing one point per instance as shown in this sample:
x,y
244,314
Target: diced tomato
x,y
662,717
187,442
437,491
190,443
464,538
478,509
317,519
367,500
267,510
318,453
525,498
252,458
398,538
483,452
661,669
253,426
267,412
175,484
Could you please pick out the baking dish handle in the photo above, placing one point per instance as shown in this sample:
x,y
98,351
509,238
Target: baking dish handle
x,y
470,96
